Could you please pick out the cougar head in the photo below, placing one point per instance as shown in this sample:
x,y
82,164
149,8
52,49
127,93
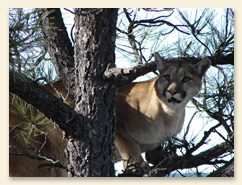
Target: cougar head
x,y
179,81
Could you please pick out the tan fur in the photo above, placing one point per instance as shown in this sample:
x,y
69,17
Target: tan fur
x,y
145,117
22,166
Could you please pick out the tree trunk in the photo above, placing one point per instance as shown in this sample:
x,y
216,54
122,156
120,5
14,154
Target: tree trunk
x,y
95,97
91,147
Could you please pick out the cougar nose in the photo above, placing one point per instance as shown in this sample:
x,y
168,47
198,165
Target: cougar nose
x,y
172,91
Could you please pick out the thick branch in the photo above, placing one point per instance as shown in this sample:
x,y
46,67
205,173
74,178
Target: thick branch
x,y
123,76
59,45
46,103
218,60
223,59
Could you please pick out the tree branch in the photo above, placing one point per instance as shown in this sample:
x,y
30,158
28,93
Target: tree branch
x,y
59,45
123,76
46,103
223,59
226,171
203,140
160,22
218,60
131,37
185,161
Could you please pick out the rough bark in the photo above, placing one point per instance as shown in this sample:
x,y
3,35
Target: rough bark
x,y
59,45
82,75
123,76
95,97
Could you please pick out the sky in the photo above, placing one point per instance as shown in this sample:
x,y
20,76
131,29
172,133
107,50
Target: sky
x,y
200,118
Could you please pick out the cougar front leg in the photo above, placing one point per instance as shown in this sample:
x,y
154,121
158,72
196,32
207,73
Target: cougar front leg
x,y
128,149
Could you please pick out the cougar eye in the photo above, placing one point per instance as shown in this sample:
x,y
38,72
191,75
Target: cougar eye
x,y
167,77
186,79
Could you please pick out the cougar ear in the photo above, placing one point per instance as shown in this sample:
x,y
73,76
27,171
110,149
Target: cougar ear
x,y
160,63
203,66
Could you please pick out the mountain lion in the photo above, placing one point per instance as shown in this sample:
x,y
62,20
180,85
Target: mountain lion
x,y
148,113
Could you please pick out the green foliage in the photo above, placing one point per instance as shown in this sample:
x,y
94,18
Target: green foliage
x,y
34,122
27,49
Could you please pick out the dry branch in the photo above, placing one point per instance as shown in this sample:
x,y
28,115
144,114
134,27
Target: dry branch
x,y
123,76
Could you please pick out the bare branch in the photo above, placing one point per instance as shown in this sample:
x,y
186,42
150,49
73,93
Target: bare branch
x,y
226,171
188,125
194,31
131,37
202,141
158,9
123,76
153,22
186,161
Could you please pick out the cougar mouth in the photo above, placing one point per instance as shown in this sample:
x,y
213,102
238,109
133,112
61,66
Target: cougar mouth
x,y
172,99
